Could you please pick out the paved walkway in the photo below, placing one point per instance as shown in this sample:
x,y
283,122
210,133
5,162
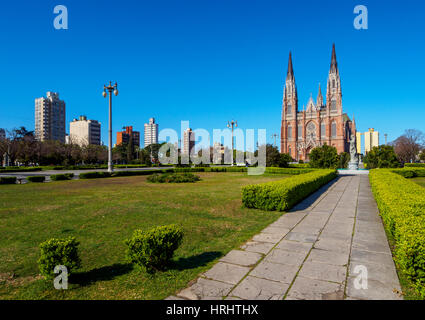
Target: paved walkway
x,y
321,249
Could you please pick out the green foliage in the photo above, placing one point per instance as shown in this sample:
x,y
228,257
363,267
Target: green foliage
x,y
36,178
274,158
7,180
55,252
324,157
20,169
62,176
401,203
410,172
381,157
415,165
154,249
173,178
282,195
343,159
94,175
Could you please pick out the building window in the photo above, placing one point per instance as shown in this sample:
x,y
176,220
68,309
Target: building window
x,y
333,105
289,151
289,109
333,83
300,132
323,130
333,130
289,132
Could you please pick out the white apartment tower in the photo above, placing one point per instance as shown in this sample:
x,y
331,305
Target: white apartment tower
x,y
151,132
50,118
188,141
84,132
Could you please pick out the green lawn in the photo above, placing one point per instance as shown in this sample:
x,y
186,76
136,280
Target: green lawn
x,y
420,181
102,213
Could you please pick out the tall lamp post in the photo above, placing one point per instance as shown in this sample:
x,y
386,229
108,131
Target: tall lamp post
x,y
275,135
232,124
111,88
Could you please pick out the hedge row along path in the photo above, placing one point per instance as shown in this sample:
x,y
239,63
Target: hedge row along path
x,y
316,251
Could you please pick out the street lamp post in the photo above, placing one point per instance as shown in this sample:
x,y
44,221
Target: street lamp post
x,y
232,124
111,88
275,135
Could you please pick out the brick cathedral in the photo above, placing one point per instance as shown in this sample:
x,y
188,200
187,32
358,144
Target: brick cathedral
x,y
321,122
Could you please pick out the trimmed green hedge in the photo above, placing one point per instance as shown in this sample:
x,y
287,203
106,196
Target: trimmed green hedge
x,y
402,206
410,172
283,194
62,176
173,178
36,178
414,165
7,180
94,175
20,169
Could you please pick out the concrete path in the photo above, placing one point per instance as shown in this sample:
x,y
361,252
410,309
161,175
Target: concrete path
x,y
331,246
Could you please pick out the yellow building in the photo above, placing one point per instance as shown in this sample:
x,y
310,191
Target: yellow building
x,y
371,139
359,142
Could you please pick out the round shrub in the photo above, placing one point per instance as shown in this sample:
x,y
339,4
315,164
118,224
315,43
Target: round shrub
x,y
154,249
55,252
36,178
7,180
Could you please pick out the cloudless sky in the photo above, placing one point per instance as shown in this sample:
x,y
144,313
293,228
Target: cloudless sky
x,y
210,61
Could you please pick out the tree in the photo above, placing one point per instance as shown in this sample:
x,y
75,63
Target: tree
x,y
422,155
324,157
408,146
381,157
343,159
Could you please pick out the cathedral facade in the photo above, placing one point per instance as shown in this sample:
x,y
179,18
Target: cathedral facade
x,y
321,122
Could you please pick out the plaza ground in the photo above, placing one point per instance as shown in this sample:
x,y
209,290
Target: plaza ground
x,y
101,213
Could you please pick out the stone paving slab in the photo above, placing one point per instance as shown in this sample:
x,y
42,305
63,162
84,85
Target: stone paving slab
x,y
243,258
313,252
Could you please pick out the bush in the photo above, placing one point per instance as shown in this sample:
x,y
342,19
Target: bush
x,y
36,178
283,194
324,157
7,180
415,165
63,176
55,252
343,159
154,249
20,169
381,157
173,178
94,175
401,203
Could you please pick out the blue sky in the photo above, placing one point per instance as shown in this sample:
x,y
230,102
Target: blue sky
x,y
208,61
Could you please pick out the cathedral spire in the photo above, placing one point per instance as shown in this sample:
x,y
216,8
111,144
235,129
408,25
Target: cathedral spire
x,y
334,64
319,97
290,68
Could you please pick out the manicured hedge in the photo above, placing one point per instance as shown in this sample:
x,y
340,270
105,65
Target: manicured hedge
x,y
173,178
62,176
20,169
36,178
410,172
414,165
283,194
7,180
94,175
401,203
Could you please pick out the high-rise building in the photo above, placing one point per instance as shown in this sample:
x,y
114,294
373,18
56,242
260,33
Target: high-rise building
x,y
322,121
371,139
188,141
2,134
151,132
123,137
50,118
84,132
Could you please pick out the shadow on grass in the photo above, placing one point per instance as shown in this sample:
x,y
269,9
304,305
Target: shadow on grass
x,y
195,261
101,274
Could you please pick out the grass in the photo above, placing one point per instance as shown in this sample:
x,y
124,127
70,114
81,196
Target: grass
x,y
101,213
419,180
